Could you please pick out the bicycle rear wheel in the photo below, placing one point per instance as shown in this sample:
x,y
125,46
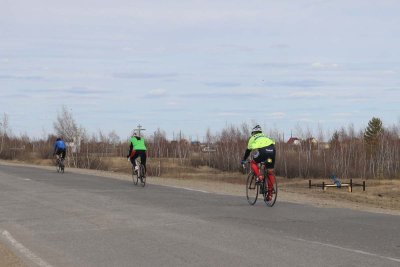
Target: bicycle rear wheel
x,y
142,175
251,189
135,177
274,193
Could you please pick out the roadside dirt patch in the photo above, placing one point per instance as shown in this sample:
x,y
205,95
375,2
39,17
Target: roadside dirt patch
x,y
8,258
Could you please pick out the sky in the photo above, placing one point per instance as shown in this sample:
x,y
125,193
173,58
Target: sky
x,y
188,66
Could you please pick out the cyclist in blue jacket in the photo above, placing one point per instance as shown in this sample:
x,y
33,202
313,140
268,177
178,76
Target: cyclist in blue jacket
x,y
60,148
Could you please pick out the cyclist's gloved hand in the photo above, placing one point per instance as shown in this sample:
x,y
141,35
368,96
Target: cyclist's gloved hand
x,y
242,162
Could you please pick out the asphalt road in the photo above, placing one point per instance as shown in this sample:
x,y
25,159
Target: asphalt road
x,y
50,219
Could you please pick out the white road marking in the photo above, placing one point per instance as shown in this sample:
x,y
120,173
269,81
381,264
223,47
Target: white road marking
x,y
25,251
186,188
349,250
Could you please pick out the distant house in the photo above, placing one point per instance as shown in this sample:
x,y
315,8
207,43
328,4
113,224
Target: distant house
x,y
312,140
293,141
195,143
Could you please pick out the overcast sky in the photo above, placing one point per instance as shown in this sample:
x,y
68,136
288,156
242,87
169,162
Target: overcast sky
x,y
192,65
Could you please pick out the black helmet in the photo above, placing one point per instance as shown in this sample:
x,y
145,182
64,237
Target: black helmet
x,y
58,139
256,129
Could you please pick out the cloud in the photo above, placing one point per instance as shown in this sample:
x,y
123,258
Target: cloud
x,y
227,114
298,83
222,95
157,93
305,120
14,95
277,115
274,65
222,84
342,114
279,46
396,90
20,77
144,75
305,94
82,91
325,66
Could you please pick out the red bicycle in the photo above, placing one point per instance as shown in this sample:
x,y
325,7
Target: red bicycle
x,y
254,188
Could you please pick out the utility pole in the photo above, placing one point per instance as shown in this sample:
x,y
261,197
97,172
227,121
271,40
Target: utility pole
x,y
139,128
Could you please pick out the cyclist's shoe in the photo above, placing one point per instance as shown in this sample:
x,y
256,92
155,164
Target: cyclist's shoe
x,y
269,195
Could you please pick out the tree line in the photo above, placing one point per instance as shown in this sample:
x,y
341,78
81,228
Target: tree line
x,y
373,152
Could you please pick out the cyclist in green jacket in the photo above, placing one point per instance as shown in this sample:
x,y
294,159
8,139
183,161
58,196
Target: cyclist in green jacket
x,y
264,148
137,148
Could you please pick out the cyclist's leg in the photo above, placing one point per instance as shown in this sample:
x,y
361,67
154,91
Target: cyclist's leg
x,y
63,152
133,158
254,167
270,164
257,158
271,179
58,155
143,159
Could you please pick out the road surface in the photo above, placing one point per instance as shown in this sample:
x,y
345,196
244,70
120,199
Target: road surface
x,y
50,219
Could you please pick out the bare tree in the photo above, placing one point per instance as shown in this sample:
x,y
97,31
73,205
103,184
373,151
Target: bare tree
x,y
66,127
3,131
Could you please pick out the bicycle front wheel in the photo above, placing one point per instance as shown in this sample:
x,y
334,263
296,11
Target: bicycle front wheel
x,y
251,189
135,177
62,166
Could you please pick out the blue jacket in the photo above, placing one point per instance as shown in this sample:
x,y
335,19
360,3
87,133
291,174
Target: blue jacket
x,y
59,145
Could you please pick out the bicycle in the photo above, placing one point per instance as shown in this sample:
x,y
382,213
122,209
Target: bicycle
x,y
139,174
60,164
253,188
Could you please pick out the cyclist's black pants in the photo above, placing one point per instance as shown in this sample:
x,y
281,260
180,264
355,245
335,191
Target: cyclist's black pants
x,y
142,155
61,152
267,155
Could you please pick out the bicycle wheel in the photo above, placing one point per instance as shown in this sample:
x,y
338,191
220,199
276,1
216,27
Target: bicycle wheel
x,y
142,175
58,169
270,202
62,166
251,189
135,177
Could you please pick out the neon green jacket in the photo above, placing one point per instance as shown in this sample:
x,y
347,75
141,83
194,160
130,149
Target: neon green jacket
x,y
138,143
258,141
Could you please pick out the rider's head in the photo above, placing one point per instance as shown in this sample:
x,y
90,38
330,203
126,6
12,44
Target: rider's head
x,y
58,139
135,134
257,129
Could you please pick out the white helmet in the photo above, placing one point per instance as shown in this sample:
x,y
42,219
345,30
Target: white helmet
x,y
135,133
256,129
